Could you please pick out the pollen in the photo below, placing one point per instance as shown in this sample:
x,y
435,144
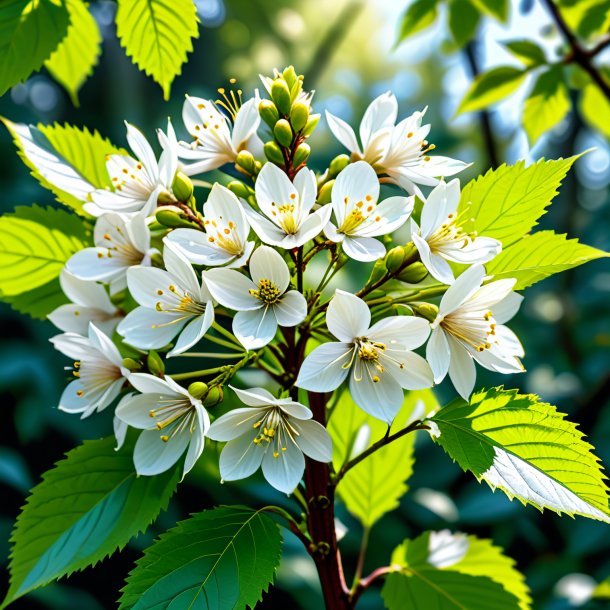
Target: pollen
x,y
79,393
267,292
159,292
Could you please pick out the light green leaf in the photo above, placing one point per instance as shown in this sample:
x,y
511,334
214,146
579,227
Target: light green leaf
x,y
220,559
547,104
157,35
595,109
525,448
374,486
492,87
507,202
602,591
35,243
73,60
463,21
540,255
89,505
449,571
29,32
527,52
498,9
419,15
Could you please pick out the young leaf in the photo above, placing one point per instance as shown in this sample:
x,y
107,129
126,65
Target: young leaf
x,y
506,202
595,109
218,559
498,9
73,60
453,572
547,104
29,32
540,255
374,487
525,448
157,35
527,52
35,243
463,21
90,504
491,87
419,15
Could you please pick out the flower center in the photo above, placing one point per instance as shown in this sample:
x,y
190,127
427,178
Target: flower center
x,y
286,215
180,302
274,430
117,245
95,375
224,236
471,328
360,212
230,102
267,292
174,415
451,235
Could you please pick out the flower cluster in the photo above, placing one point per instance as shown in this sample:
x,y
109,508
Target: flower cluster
x,y
261,272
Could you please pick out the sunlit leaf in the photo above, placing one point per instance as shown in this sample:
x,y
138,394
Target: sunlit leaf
x,y
527,52
419,15
595,109
498,9
463,21
492,87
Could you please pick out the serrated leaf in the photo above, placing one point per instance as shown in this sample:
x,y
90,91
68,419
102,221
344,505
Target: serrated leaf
x,y
157,35
419,15
463,21
507,202
595,109
29,32
492,87
539,256
547,104
498,9
525,448
218,559
74,59
374,487
449,571
35,243
89,505
527,52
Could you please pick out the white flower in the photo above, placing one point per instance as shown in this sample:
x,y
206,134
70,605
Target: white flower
x,y
171,302
287,220
120,243
89,303
225,239
137,183
470,326
215,141
171,420
274,432
377,358
441,237
359,219
262,303
98,369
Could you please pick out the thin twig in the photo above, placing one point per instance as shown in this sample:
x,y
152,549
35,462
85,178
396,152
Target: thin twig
x,y
365,583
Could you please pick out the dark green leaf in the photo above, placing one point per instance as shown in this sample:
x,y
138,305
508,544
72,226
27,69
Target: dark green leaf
x,y
463,21
527,52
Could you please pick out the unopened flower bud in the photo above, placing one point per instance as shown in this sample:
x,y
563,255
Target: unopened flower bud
x,y
214,396
198,389
280,94
394,259
290,76
155,364
325,192
312,123
170,218
273,152
425,310
245,161
268,112
295,90
164,198
337,165
131,364
283,133
379,270
413,274
182,187
301,154
240,189
299,115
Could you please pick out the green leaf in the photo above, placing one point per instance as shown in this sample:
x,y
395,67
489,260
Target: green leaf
x,y
506,202
498,9
463,21
374,487
29,32
419,15
90,504
39,302
157,36
491,87
449,571
594,19
595,109
540,255
73,60
525,448
35,243
218,559
547,104
527,52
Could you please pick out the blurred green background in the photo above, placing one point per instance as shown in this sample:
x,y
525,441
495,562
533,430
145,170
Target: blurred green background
x,y
345,51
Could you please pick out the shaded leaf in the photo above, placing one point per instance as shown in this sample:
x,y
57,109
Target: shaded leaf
x,y
498,9
527,52
463,21
492,87
419,15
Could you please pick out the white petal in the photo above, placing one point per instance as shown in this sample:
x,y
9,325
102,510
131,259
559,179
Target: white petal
x,y
234,423
138,232
267,264
120,432
286,470
347,316
85,293
273,188
306,185
314,440
415,374
480,250
255,397
325,368
71,401
196,247
462,289
388,216
135,410
291,309
381,399
240,458
145,282
247,121
490,294
507,308
295,409
438,355
358,181
438,166
255,329
195,449
150,329
142,149
104,345
442,201
268,232
462,371
438,267
75,319
231,289
380,114
408,331
74,346
343,132
193,331
150,384
94,264
153,456
179,267
364,249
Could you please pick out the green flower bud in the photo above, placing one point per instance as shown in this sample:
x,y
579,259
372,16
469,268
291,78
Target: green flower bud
x,y
198,389
182,187
425,310
337,165
131,364
325,192
165,198
283,133
394,259
156,226
312,123
240,189
214,396
171,218
280,94
299,115
295,90
379,270
290,76
268,112
413,274
156,260
245,160
274,153
301,154
155,364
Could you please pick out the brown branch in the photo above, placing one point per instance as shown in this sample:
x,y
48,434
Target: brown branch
x,y
365,583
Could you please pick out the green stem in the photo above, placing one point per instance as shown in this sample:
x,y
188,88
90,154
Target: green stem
x,y
228,335
224,343
208,355
364,543
201,373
